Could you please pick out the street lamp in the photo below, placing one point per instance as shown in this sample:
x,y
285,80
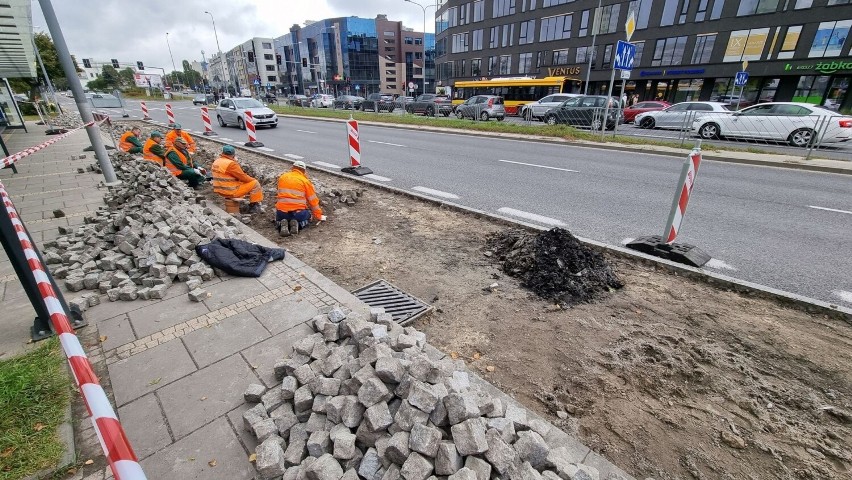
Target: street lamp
x,y
174,68
424,44
222,59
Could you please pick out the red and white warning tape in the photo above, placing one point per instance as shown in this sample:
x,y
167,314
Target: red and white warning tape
x,y
116,447
29,151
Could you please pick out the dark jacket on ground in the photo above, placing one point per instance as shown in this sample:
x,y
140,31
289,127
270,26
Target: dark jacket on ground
x,y
238,257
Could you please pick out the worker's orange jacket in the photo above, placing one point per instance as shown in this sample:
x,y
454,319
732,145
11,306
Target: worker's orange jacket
x,y
228,176
151,154
296,192
173,134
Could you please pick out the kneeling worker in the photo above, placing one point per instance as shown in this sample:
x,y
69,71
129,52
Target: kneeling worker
x,y
153,150
297,201
180,164
230,181
129,141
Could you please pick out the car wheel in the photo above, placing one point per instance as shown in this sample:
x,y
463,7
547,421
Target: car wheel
x,y
221,122
596,124
430,112
241,123
550,119
459,114
500,119
801,137
390,110
647,123
709,131
484,116
409,110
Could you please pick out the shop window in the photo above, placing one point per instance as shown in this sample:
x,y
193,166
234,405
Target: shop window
x,y
810,89
642,11
554,28
791,40
668,51
527,34
828,41
703,48
688,90
754,7
836,94
767,93
746,45
525,63
560,57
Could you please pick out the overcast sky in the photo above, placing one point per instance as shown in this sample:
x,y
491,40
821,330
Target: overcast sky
x,y
135,30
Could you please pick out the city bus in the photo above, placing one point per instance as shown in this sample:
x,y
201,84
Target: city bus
x,y
515,91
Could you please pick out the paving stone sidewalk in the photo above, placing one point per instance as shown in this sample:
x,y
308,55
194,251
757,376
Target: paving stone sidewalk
x,y
176,369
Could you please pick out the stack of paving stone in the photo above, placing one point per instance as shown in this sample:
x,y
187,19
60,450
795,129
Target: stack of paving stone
x,y
68,120
142,241
371,400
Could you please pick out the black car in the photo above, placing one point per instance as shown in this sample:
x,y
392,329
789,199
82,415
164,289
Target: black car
x,y
348,102
376,102
586,111
203,99
299,101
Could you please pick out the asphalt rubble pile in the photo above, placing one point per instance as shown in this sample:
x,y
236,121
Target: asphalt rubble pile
x,y
141,242
554,265
372,400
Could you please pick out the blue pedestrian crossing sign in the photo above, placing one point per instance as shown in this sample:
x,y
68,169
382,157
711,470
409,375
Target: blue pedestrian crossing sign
x,y
625,52
740,79
256,81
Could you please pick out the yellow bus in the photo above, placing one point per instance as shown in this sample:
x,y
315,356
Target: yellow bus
x,y
515,91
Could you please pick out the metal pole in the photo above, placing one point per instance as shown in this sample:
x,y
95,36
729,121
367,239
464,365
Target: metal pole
x,y
606,109
222,59
742,88
592,54
46,78
79,97
621,110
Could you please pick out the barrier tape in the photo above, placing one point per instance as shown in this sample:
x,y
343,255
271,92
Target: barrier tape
x,y
29,151
116,447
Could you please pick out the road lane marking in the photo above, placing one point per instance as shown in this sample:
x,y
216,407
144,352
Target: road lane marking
x,y
326,165
531,216
306,131
717,264
436,193
539,166
293,156
830,209
378,177
265,149
843,295
386,143
226,139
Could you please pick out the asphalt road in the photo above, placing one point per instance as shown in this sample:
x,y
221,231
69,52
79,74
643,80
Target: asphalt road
x,y
784,228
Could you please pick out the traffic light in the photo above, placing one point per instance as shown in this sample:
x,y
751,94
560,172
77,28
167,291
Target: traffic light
x,y
115,63
140,66
278,58
305,62
251,57
87,63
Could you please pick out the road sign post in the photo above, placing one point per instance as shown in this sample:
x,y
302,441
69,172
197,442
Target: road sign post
x,y
625,52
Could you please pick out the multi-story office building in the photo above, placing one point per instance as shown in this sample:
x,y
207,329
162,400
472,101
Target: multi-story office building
x,y
685,49
249,65
356,56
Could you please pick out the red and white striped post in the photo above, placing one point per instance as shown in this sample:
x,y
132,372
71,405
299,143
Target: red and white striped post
x,y
354,142
252,133
144,111
114,442
205,117
681,199
170,115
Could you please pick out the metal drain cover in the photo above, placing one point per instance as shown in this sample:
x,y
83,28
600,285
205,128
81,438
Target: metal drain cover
x,y
403,307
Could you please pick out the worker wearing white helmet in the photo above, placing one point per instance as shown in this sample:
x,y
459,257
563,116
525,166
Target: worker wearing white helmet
x,y
297,201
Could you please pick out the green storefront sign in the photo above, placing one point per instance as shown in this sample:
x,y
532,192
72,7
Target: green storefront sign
x,y
826,68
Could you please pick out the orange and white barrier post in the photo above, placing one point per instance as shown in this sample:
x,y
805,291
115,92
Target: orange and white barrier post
x,y
144,111
205,117
681,199
354,141
170,115
252,133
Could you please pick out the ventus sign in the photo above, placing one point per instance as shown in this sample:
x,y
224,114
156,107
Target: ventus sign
x,y
563,71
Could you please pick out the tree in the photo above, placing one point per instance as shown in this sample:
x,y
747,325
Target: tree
x,y
50,58
127,78
108,81
191,76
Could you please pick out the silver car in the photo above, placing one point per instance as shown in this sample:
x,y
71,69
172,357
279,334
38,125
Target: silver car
x,y
482,107
537,109
232,111
680,114
322,101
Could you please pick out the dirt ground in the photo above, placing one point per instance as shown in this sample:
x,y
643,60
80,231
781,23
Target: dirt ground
x,y
667,377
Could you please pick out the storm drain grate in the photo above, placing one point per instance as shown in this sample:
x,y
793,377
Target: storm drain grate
x,y
403,307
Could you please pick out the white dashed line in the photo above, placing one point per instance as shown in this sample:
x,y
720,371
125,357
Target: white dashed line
x,y
531,216
539,166
306,131
326,165
378,177
265,149
386,143
436,193
226,139
717,264
830,209
843,295
293,156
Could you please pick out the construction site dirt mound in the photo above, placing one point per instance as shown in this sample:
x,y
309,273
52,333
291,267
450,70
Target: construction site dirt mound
x,y
554,265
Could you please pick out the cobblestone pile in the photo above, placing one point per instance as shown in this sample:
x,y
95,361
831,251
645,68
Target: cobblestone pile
x,y
371,400
141,242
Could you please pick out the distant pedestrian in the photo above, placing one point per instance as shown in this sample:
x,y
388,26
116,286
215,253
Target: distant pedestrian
x,y
623,99
634,99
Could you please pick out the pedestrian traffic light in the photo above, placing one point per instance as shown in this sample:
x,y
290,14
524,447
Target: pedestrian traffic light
x,y
87,63
140,66
305,62
278,58
114,63
251,57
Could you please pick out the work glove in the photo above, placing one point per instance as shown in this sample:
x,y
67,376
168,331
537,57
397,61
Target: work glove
x,y
323,218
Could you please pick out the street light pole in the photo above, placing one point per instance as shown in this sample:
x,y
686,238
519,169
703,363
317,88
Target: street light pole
x,y
174,67
592,53
424,45
222,58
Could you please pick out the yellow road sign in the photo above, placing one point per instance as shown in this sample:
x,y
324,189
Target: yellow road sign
x,y
630,25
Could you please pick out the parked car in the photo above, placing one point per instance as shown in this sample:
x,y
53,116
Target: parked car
x,y
347,102
232,111
202,99
642,107
401,102
482,107
792,122
586,111
677,115
430,104
299,101
537,109
322,101
376,102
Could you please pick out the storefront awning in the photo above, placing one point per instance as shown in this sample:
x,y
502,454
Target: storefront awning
x,y
17,55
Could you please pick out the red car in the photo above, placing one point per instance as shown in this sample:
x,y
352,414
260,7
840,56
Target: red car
x,y
642,107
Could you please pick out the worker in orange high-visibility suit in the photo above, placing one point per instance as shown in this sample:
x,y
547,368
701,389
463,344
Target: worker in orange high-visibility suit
x,y
153,150
178,132
297,201
230,181
129,141
180,164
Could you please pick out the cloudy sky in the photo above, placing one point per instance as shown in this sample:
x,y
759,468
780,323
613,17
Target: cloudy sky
x,y
135,30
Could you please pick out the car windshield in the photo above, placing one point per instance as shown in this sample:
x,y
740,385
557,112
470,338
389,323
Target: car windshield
x,y
570,102
201,96
247,103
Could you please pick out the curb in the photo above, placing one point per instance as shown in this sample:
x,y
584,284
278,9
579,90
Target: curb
x,y
806,304
586,144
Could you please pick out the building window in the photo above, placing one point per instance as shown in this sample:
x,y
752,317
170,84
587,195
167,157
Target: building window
x,y
746,45
640,47
495,37
607,56
668,51
390,41
531,5
418,55
479,10
409,41
270,68
701,13
642,11
459,42
503,8
703,48
753,7
464,14
506,62
836,2
829,39
681,19
459,70
609,19
393,64
390,72
418,71
716,13
508,35
492,65
584,24
391,80
802,4
453,17
791,41
268,56
555,28
584,54
390,34
553,3
560,57
669,11
418,41
539,58
527,34
271,78
476,67
266,45
525,63
477,39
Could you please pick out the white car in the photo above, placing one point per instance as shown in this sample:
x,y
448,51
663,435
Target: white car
x,y
791,122
537,109
232,111
680,114
322,101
